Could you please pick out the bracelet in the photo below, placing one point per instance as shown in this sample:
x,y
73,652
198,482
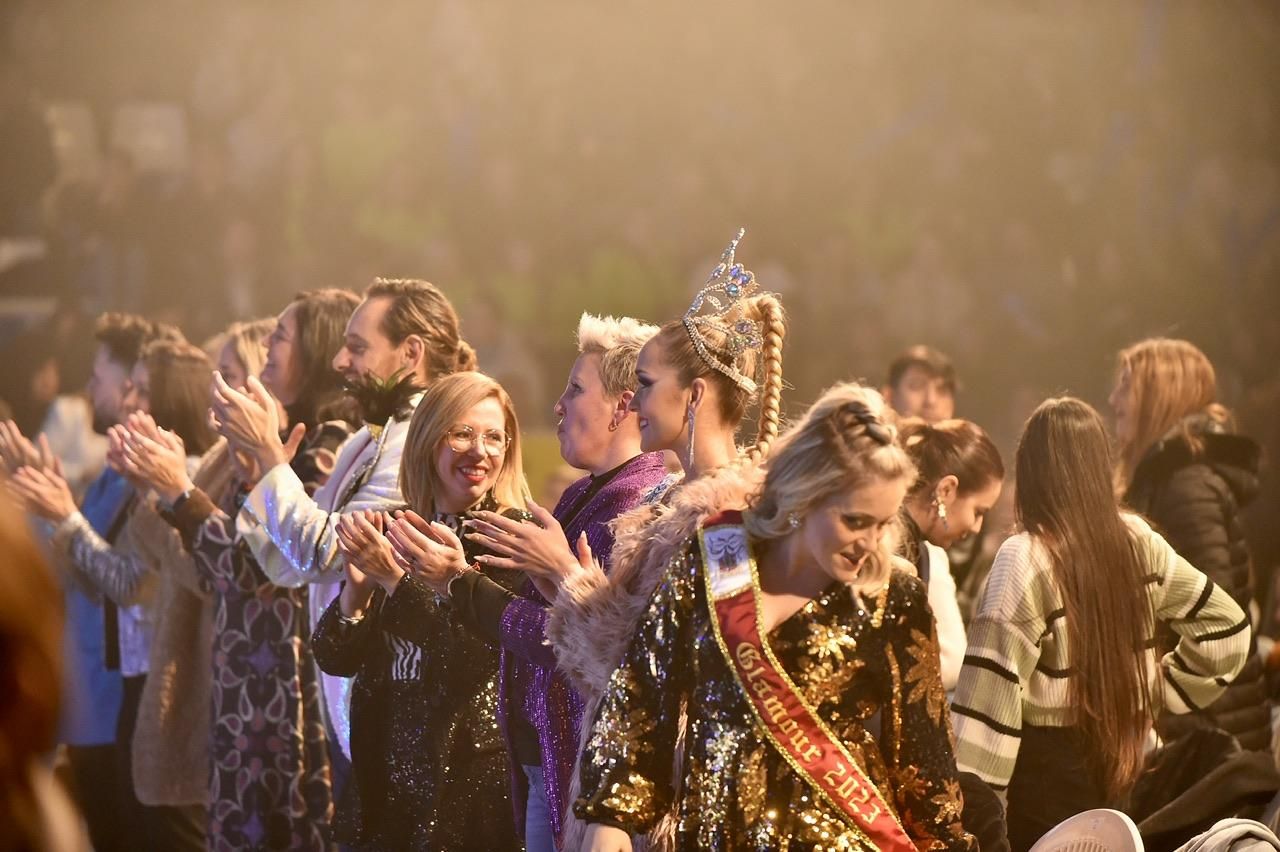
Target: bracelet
x,y
448,587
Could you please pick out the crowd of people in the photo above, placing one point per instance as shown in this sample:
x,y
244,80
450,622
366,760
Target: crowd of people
x,y
309,602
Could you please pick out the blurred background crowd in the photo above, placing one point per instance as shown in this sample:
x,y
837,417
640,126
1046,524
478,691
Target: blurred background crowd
x,y
1028,188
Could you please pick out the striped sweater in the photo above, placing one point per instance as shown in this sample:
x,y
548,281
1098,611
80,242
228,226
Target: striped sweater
x,y
1016,665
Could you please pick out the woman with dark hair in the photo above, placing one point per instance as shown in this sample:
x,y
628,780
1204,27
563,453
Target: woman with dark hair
x,y
780,628
960,476
270,784
1183,466
1060,683
428,761
165,618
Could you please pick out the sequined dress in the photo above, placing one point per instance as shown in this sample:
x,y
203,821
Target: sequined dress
x,y
429,766
850,658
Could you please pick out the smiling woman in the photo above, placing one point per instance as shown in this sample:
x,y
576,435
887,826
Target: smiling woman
x,y
429,762
777,593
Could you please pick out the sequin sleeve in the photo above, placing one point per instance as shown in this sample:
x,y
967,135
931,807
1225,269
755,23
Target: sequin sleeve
x,y
626,769
340,645
414,613
115,570
209,531
916,733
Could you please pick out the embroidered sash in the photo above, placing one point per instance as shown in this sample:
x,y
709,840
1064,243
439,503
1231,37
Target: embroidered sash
x,y
792,726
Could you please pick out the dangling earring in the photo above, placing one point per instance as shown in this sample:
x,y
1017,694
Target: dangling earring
x,y
692,419
793,520
942,511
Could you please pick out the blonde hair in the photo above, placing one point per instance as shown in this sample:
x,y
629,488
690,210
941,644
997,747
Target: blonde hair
x,y
833,449
444,402
248,343
1168,380
617,340
680,353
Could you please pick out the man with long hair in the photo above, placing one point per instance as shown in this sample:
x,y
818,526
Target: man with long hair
x,y
402,336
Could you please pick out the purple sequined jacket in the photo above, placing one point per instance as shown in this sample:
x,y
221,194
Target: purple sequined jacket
x,y
529,684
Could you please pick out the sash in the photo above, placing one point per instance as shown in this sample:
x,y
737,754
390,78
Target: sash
x,y
792,727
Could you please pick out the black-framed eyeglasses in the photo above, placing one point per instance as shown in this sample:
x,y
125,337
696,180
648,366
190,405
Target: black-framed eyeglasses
x,y
463,438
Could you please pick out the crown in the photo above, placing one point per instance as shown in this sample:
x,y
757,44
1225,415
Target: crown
x,y
713,309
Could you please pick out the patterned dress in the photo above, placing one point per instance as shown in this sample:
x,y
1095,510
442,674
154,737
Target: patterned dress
x,y
429,766
852,659
270,785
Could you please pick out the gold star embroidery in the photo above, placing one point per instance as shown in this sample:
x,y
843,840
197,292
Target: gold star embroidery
x,y
924,676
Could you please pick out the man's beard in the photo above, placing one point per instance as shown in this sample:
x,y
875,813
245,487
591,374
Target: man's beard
x,y
381,400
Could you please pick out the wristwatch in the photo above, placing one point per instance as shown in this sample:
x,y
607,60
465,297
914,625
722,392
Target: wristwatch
x,y
177,503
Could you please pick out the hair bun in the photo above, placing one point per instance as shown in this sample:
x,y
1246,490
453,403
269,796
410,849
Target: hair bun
x,y
465,360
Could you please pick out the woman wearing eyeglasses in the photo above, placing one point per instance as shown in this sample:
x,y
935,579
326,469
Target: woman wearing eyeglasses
x,y
429,765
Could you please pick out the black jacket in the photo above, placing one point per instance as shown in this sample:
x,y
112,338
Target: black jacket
x,y
1194,500
429,766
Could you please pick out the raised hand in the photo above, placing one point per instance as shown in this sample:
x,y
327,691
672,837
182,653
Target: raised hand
x,y
431,550
155,456
45,492
17,451
361,539
117,438
250,421
539,548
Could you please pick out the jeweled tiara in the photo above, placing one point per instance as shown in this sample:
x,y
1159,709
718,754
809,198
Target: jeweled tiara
x,y
724,295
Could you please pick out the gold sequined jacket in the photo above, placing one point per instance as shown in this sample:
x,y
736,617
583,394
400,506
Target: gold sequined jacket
x,y
854,660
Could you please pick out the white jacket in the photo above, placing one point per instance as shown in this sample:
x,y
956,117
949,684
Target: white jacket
x,y
295,540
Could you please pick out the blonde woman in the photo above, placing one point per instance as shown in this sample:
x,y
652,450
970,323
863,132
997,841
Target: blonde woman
x,y
429,764
780,627
243,352
1183,467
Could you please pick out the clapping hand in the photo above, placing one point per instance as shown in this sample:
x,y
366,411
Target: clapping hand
x,y
45,492
539,549
251,422
17,451
361,539
155,456
431,550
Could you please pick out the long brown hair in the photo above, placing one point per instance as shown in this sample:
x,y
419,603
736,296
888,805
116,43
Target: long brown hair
x,y
956,448
443,403
180,375
679,352
1064,499
1169,379
321,317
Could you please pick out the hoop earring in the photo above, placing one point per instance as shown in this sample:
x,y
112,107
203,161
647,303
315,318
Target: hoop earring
x,y
613,425
691,418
